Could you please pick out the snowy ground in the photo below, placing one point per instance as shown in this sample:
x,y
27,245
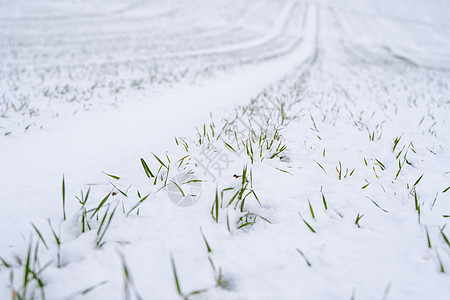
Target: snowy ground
x,y
319,131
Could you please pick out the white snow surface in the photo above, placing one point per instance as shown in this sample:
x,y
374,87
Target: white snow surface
x,y
350,200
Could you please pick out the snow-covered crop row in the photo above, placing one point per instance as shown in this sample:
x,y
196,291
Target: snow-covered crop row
x,y
310,158
67,63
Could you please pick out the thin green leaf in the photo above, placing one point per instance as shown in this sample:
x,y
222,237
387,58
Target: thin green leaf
x,y
146,169
175,275
304,257
100,205
324,202
112,176
428,237
418,180
311,209
208,248
160,161
64,198
40,235
89,289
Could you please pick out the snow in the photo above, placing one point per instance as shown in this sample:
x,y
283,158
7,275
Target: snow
x,y
105,83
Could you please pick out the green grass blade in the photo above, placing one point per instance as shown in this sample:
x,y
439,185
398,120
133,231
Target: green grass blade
x,y
304,257
40,235
380,164
324,202
112,176
146,169
428,237
160,161
7,265
64,198
418,180
175,275
137,204
311,209
100,205
91,288
27,271
58,242
320,166
208,248
306,223
179,188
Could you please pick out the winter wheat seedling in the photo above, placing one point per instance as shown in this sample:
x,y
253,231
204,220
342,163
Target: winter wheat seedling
x,y
103,228
307,224
325,205
100,205
218,276
90,289
128,283
380,164
366,185
160,161
444,236
58,244
208,248
399,169
5,263
177,282
376,204
396,141
119,190
215,207
147,170
32,275
311,210
416,203
320,166
112,176
339,171
64,198
304,257
418,180
249,219
428,237
358,218
39,235
441,266
137,204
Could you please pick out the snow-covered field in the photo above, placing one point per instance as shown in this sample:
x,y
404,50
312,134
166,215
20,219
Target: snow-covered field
x,y
224,149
